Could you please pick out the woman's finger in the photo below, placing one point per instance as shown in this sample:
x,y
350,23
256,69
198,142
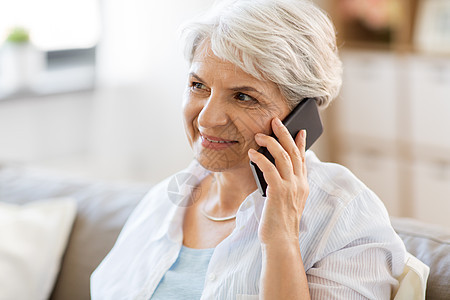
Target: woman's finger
x,y
288,144
300,141
283,161
269,170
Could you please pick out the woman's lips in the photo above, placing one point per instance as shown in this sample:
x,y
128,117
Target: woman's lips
x,y
216,143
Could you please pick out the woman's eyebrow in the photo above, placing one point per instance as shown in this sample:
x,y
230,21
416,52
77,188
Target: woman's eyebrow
x,y
236,89
192,74
247,89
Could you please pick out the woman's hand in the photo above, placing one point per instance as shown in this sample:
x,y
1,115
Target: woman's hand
x,y
287,188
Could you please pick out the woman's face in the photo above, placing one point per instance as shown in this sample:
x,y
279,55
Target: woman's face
x,y
224,108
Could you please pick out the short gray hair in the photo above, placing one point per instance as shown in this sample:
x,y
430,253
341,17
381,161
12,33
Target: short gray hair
x,y
289,42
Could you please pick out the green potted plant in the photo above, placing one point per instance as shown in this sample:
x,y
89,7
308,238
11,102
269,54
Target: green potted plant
x,y
18,35
20,62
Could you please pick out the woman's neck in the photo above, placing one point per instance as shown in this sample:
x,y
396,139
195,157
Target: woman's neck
x,y
227,190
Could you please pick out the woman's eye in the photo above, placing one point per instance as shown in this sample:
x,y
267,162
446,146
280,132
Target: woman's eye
x,y
198,86
245,98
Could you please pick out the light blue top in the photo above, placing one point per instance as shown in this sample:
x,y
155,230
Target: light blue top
x,y
186,277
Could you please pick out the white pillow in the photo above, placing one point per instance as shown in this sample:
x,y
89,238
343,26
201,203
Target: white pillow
x,y
33,238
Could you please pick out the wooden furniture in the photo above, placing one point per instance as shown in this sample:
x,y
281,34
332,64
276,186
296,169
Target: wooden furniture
x,y
391,123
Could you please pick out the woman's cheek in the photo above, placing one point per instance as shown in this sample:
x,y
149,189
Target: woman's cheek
x,y
257,128
261,123
189,121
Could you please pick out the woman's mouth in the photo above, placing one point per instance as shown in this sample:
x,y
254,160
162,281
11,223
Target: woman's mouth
x,y
216,143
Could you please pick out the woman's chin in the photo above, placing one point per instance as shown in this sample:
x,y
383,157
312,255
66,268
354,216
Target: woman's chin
x,y
215,164
220,162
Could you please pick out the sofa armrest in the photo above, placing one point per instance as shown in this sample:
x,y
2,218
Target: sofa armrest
x,y
431,244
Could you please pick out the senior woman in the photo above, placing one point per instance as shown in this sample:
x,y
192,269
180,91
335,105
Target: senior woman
x,y
318,233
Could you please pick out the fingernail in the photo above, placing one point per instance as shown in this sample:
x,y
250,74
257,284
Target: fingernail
x,y
252,151
278,122
303,133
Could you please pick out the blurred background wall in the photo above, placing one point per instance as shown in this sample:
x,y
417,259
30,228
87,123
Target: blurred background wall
x,y
125,123
94,88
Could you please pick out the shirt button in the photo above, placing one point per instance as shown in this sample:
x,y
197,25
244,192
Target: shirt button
x,y
211,276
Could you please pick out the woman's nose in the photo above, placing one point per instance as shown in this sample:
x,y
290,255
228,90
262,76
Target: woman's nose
x,y
213,113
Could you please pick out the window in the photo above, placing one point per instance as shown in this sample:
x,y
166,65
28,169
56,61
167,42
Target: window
x,y
53,24
63,35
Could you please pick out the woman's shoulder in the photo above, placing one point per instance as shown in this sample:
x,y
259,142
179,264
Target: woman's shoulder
x,y
333,179
342,211
335,188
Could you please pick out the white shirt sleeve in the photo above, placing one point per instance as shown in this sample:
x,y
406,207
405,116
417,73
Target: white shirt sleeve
x,y
363,255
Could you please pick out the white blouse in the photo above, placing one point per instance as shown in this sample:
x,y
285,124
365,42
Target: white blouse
x,y
348,246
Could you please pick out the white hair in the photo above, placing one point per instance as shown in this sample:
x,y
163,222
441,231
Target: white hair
x,y
289,42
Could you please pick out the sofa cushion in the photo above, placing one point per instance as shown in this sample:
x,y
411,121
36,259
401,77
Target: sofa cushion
x,y
102,209
33,240
431,244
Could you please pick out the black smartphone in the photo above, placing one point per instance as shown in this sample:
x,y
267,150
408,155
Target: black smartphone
x,y
304,116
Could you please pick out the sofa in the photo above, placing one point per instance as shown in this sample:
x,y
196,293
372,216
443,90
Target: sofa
x,y
103,207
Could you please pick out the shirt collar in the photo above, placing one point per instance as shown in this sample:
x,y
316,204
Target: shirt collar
x,y
253,203
199,173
